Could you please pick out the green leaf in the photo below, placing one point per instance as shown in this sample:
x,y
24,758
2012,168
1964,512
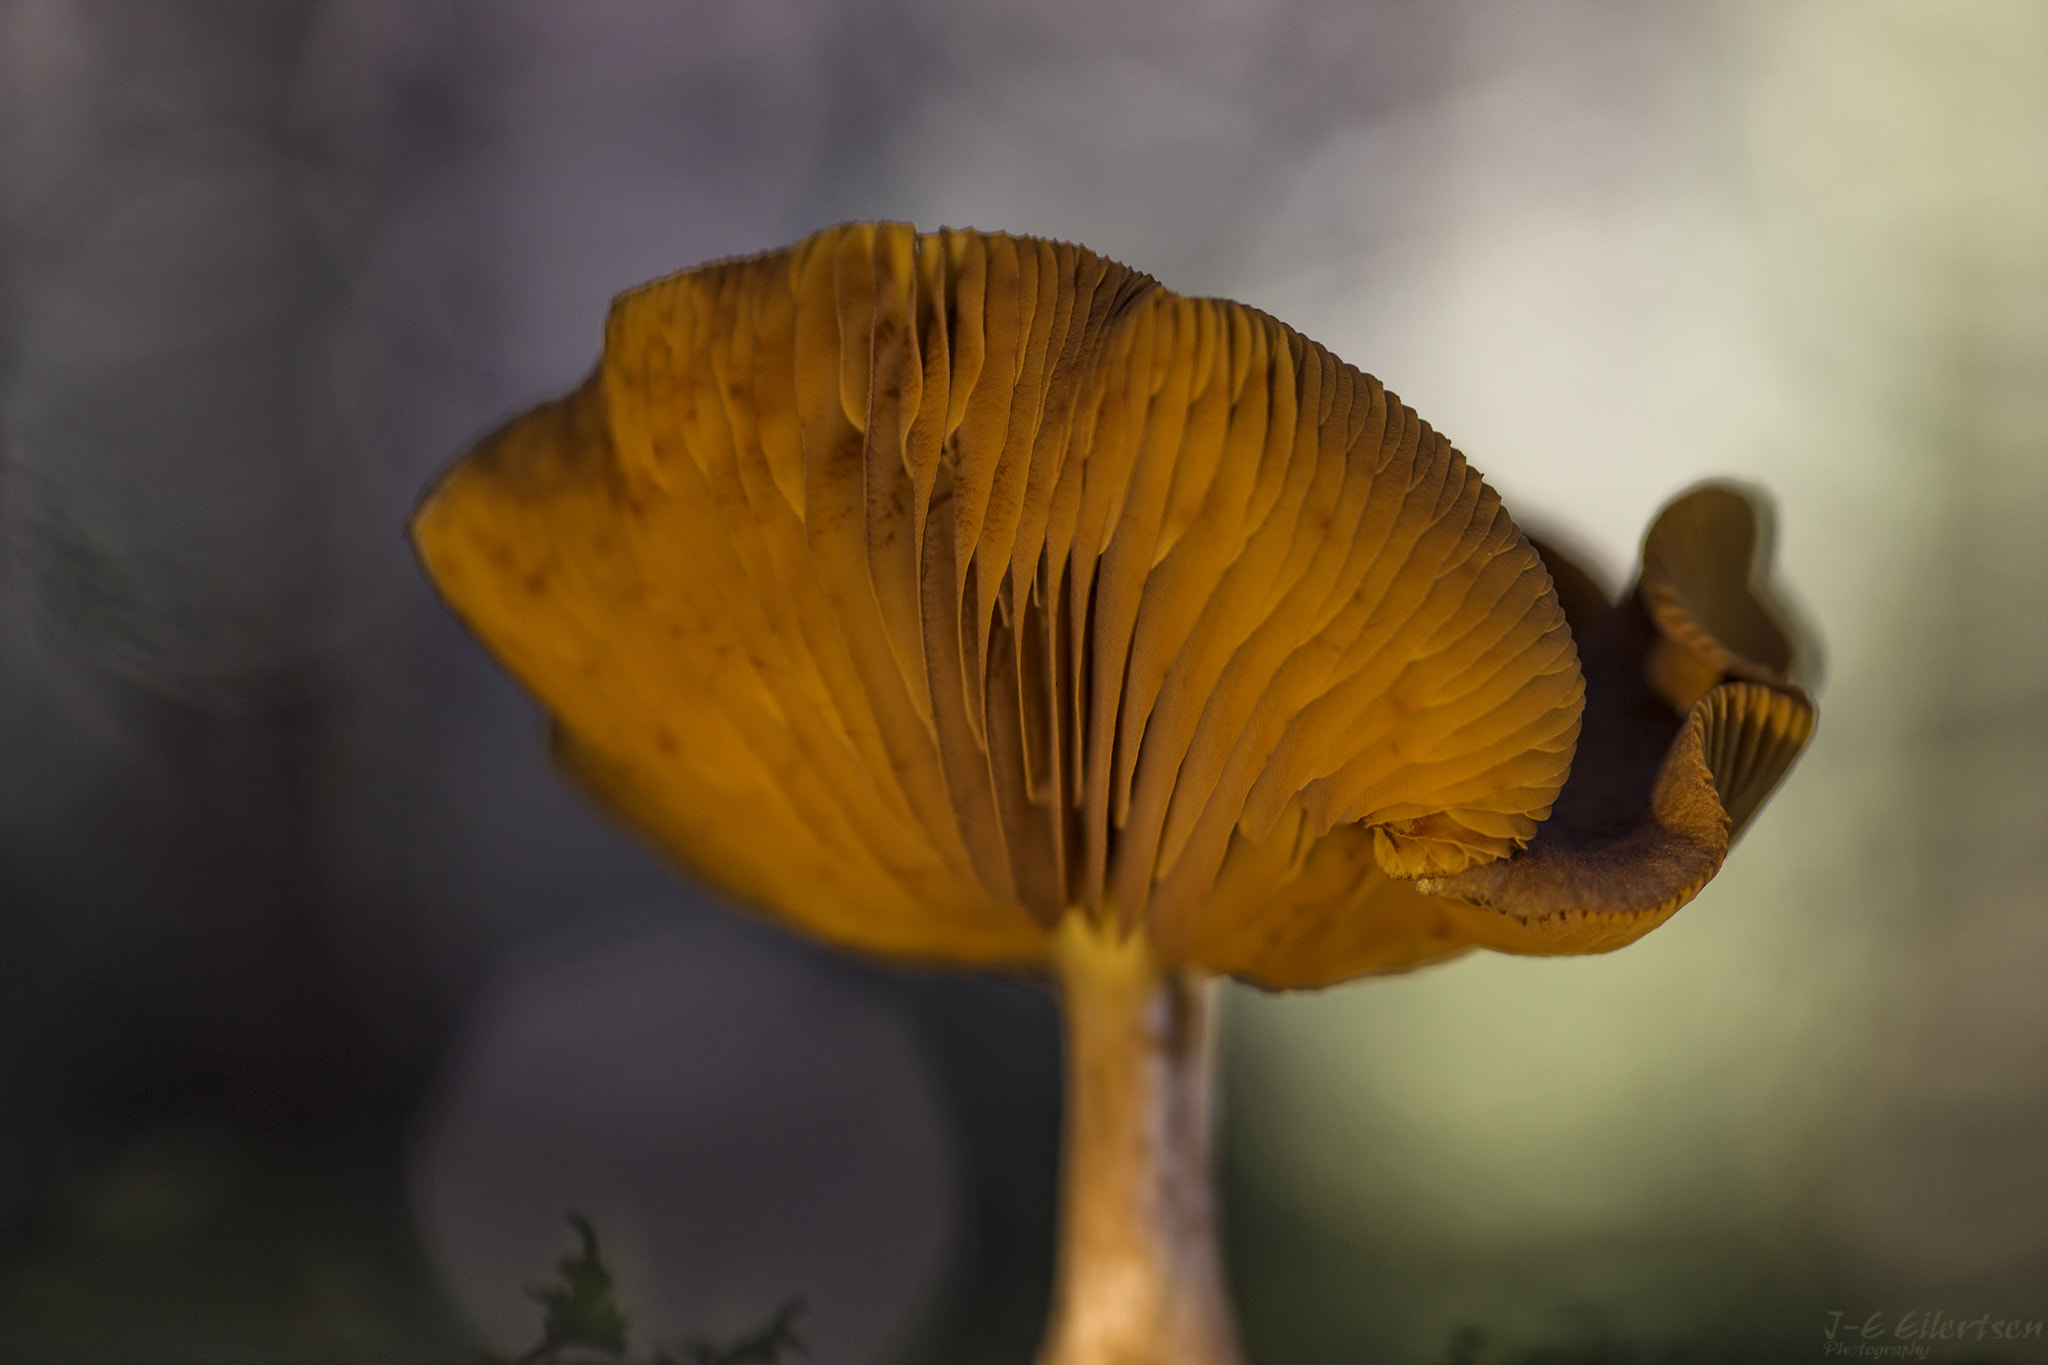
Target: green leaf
x,y
581,1309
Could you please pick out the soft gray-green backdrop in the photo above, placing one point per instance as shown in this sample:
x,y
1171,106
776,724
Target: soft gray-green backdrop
x,y
321,1001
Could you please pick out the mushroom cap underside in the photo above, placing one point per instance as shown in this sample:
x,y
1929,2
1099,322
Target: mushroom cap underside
x,y
918,588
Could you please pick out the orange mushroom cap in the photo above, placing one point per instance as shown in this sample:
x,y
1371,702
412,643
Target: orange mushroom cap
x,y
918,589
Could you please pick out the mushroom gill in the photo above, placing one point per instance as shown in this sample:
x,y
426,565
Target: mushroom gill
x,y
918,588
973,599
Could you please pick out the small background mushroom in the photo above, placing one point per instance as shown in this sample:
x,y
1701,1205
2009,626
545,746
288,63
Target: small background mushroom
x,y
267,825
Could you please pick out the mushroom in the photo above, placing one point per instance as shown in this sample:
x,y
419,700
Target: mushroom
x,y
970,599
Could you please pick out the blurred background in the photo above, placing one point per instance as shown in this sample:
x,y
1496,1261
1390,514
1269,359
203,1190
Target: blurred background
x,y
322,1000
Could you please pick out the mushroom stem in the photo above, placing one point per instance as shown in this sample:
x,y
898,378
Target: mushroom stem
x,y
1139,1279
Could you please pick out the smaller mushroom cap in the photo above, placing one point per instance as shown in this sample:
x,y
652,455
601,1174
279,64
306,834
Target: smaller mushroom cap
x,y
1685,736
